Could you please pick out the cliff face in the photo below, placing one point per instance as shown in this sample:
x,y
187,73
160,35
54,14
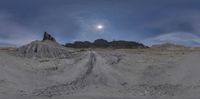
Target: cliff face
x,y
101,43
48,37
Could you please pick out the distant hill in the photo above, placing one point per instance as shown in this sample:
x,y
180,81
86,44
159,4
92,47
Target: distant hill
x,y
49,48
168,46
101,43
8,49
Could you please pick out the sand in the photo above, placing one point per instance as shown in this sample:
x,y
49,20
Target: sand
x,y
103,74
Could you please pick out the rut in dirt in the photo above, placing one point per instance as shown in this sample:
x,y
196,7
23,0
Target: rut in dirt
x,y
70,87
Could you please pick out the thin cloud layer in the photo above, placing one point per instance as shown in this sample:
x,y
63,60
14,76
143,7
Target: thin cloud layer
x,y
23,21
13,33
187,39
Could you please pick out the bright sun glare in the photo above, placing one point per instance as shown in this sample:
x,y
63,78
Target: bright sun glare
x,y
99,27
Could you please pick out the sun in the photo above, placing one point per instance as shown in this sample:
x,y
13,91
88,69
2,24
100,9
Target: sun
x,y
100,27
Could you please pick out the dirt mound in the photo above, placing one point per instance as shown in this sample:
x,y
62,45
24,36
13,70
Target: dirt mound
x,y
48,47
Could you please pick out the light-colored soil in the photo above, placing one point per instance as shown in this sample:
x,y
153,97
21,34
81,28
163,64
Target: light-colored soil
x,y
103,74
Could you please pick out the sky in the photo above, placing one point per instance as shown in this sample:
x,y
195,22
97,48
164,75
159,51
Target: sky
x,y
146,21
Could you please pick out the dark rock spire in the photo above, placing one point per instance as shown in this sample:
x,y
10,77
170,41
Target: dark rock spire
x,y
48,37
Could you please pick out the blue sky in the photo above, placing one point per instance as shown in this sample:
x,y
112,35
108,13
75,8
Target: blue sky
x,y
147,21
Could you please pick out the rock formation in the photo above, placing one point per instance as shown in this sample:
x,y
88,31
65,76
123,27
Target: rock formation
x,y
47,48
126,44
48,37
101,43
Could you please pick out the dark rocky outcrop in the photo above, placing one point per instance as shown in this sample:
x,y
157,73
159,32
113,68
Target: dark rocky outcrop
x,y
79,44
48,37
126,44
101,43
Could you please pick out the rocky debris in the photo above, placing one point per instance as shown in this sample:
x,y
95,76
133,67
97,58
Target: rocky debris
x,y
48,37
47,48
101,43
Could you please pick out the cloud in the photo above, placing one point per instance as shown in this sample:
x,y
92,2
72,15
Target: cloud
x,y
182,38
70,20
13,33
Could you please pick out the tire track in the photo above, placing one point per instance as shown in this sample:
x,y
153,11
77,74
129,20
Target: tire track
x,y
70,87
